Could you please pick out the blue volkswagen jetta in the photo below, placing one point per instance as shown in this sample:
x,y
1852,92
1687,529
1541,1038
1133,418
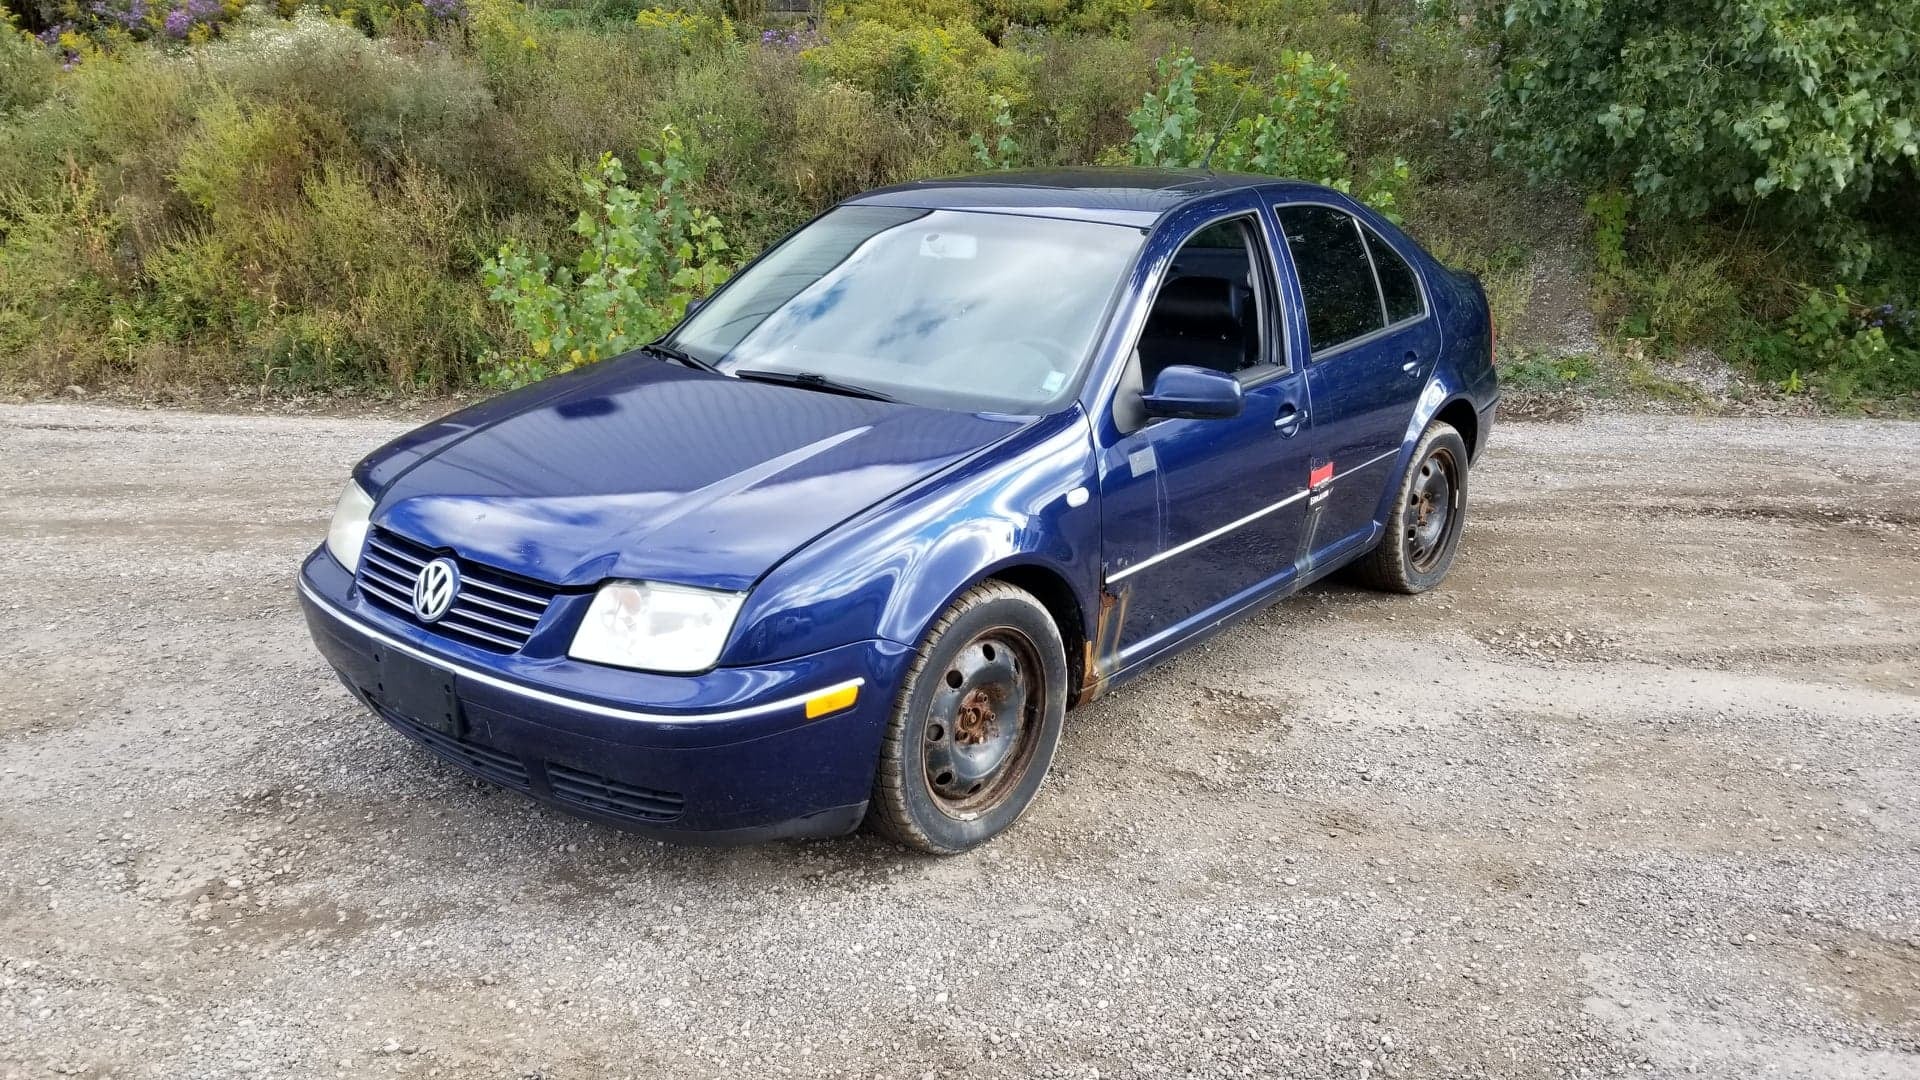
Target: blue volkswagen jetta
x,y
954,457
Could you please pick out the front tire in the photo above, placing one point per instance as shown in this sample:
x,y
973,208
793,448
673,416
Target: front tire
x,y
974,728
1424,525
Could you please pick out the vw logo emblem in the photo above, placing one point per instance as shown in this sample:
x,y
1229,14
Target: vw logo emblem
x,y
435,588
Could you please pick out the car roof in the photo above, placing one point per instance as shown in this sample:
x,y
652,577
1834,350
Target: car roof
x,y
1121,196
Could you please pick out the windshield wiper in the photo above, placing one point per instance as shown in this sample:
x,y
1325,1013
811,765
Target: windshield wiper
x,y
813,380
680,356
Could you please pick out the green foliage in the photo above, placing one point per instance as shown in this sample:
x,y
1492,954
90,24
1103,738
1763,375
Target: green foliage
x,y
308,197
1004,151
56,264
1540,371
1675,295
1841,347
393,103
646,255
1294,133
26,69
1804,110
1166,126
995,17
953,71
1090,16
687,31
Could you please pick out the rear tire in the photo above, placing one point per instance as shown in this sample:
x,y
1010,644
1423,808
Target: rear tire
x,y
975,726
1423,527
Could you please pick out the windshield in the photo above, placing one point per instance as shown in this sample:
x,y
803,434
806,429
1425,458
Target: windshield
x,y
952,309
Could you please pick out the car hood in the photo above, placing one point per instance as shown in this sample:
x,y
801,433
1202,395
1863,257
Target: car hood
x,y
642,469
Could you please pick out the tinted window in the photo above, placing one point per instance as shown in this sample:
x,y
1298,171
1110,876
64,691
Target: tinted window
x,y
1398,286
1342,302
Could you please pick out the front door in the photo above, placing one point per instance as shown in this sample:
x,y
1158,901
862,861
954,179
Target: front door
x,y
1373,348
1199,513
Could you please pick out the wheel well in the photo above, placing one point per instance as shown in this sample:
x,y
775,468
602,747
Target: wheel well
x,y
1057,597
1459,412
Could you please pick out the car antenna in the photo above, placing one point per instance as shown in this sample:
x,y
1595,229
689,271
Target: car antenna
x,y
1206,163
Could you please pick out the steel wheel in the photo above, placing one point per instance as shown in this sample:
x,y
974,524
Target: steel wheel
x,y
982,723
974,725
1431,507
1426,513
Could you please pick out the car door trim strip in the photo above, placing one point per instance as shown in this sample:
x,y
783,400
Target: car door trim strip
x,y
1223,530
1122,574
562,700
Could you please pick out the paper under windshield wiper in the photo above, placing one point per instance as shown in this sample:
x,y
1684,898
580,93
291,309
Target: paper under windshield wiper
x,y
812,380
677,355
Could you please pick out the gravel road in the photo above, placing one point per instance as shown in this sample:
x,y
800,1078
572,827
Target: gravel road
x,y
1638,791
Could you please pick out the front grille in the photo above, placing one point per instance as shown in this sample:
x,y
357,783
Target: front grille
x,y
483,761
495,611
593,792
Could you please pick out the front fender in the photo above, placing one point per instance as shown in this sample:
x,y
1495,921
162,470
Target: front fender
x,y
890,571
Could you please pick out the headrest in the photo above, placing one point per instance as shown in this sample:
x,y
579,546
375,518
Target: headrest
x,y
1197,302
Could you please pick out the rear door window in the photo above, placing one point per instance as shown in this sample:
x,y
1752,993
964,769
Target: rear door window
x,y
1336,276
1398,285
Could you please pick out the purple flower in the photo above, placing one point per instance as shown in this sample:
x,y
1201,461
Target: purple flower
x,y
130,14
179,22
787,40
446,10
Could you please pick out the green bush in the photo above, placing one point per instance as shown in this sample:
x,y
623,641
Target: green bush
x,y
59,282
1166,126
646,255
309,197
844,142
26,70
1536,371
423,105
1842,347
1295,132
1082,91
1804,110
1003,151
1757,163
952,71
1696,102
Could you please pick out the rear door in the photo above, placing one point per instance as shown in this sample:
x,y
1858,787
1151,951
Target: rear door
x,y
1372,345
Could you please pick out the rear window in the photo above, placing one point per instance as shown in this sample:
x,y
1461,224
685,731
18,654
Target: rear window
x,y
1398,286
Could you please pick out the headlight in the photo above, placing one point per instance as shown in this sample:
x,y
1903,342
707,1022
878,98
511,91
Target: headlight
x,y
348,533
654,627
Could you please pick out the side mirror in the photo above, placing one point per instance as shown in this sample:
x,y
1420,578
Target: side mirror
x,y
693,305
1194,393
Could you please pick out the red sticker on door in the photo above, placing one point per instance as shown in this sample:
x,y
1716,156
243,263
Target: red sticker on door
x,y
1322,474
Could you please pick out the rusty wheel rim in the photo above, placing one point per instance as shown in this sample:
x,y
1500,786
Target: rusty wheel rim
x,y
1432,509
983,722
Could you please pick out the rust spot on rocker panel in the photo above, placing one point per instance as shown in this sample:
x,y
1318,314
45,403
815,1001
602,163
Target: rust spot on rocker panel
x,y
1103,645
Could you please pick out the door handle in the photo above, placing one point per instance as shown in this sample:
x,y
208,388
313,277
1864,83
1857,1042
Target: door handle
x,y
1412,366
1287,423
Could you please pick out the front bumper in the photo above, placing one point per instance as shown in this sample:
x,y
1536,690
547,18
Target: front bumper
x,y
727,756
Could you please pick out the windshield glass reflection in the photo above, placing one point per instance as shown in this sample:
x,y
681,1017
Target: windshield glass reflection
x,y
953,309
